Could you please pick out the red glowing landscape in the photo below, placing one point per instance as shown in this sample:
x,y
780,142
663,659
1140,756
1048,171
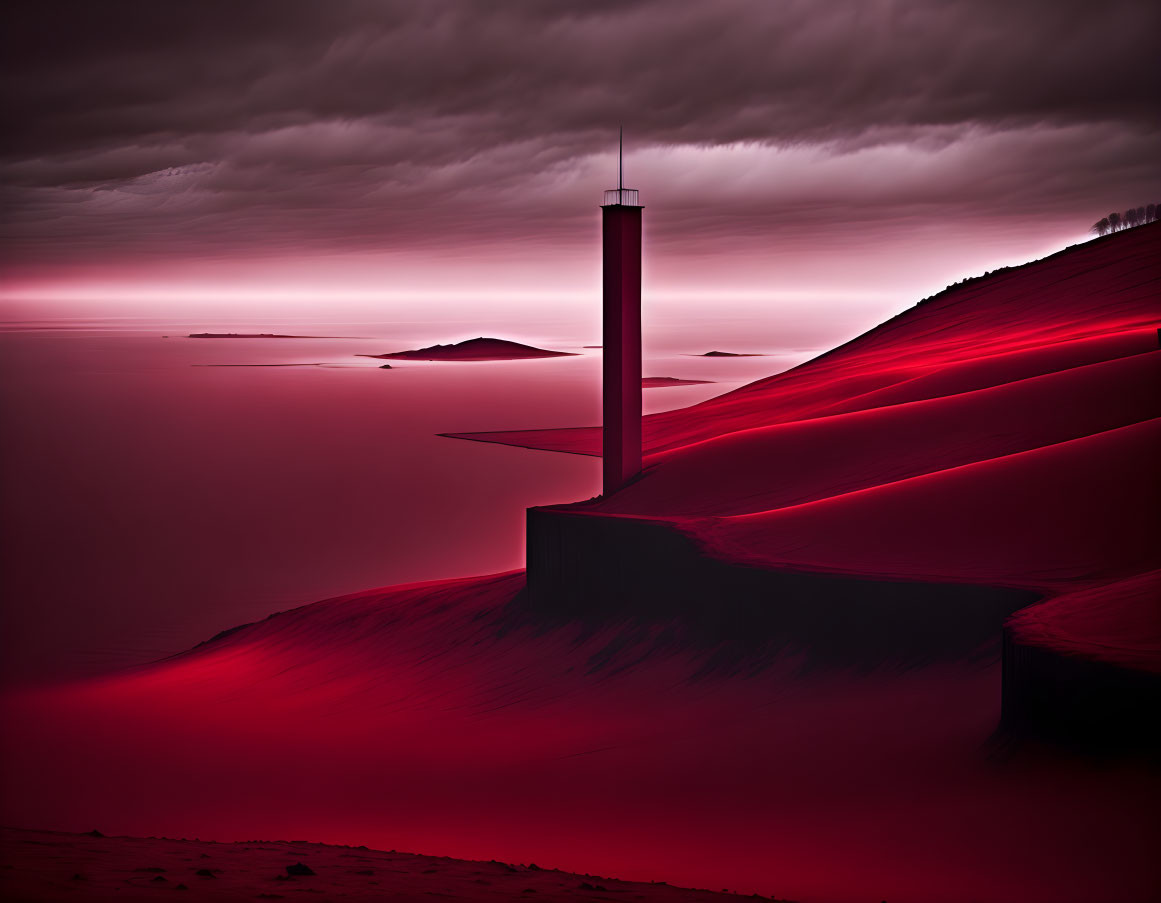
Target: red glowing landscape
x,y
986,458
651,450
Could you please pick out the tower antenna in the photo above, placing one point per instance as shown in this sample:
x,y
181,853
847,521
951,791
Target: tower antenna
x,y
621,159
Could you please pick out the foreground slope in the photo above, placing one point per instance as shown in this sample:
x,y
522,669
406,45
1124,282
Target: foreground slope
x,y
454,719
51,865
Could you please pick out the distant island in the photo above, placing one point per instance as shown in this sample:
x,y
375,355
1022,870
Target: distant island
x,y
727,354
663,382
257,365
257,335
480,349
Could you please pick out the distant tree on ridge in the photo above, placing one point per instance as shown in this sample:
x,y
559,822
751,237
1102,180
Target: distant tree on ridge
x,y
1134,216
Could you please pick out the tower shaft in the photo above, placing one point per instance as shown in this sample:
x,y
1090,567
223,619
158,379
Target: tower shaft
x,y
621,246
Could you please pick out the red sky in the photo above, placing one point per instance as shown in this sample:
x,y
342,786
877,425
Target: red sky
x,y
274,149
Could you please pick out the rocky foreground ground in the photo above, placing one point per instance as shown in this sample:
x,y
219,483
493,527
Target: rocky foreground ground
x,y
51,865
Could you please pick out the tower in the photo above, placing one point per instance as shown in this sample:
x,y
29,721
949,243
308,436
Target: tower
x,y
621,374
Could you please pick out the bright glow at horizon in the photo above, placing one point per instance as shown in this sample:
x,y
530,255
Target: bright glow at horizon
x,y
259,282
106,292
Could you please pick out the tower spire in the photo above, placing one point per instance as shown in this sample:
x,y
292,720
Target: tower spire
x,y
621,159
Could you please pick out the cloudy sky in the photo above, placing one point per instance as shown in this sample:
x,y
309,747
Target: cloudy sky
x,y
444,145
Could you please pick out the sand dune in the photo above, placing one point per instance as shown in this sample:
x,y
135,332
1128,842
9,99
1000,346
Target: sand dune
x,y
1117,622
787,464
1072,514
1007,367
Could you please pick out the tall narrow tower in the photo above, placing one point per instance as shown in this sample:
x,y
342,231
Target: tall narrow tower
x,y
621,248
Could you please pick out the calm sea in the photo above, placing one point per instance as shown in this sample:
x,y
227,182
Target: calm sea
x,y
153,497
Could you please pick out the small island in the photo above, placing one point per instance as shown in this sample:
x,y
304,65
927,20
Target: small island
x,y
253,335
664,382
257,365
727,354
479,349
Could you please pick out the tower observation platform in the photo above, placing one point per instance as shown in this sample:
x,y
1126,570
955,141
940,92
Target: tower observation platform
x,y
621,197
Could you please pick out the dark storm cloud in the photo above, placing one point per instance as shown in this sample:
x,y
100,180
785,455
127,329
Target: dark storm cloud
x,y
276,124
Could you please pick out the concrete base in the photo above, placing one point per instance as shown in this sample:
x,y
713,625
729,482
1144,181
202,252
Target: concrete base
x,y
588,566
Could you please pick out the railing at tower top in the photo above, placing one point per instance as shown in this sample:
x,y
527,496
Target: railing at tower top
x,y
622,197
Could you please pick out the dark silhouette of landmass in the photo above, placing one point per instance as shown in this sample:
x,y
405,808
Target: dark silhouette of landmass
x,y
664,382
727,354
479,349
